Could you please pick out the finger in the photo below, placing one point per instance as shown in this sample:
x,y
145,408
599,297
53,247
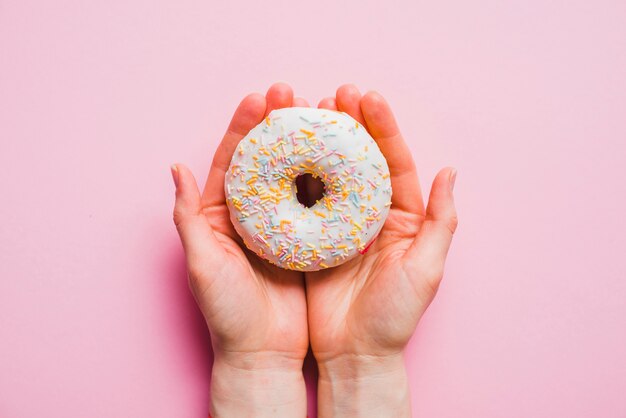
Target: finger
x,y
382,125
300,102
194,230
349,101
249,114
278,96
328,103
427,254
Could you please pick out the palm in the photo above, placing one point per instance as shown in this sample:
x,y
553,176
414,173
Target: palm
x,y
252,305
371,304
376,286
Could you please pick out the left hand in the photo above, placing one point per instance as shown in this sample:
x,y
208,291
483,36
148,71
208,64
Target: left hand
x,y
256,312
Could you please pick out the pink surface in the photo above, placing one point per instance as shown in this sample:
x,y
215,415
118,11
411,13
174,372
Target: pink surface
x,y
525,98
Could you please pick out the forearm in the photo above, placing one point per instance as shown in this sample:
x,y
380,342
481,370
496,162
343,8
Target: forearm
x,y
255,388
363,386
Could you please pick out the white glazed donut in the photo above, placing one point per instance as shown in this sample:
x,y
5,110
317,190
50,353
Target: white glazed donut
x,y
261,191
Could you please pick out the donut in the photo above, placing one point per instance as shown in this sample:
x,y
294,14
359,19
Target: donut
x,y
261,190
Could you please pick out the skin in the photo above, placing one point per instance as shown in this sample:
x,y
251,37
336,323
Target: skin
x,y
256,312
358,316
362,313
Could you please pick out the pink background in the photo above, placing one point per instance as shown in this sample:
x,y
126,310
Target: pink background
x,y
526,98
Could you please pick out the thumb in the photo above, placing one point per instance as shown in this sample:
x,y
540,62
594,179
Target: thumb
x,y
194,230
427,254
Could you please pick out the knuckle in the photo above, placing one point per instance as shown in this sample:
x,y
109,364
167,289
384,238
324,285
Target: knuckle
x,y
433,274
194,274
195,270
434,279
453,223
178,216
430,276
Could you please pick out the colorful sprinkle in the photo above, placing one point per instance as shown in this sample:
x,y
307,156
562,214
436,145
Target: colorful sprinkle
x,y
260,188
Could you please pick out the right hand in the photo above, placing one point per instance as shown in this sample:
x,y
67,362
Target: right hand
x,y
362,313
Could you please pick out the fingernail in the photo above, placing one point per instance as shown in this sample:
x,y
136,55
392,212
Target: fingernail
x,y
174,174
452,179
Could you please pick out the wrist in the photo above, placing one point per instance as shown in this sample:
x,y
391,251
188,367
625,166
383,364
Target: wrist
x,y
257,385
355,385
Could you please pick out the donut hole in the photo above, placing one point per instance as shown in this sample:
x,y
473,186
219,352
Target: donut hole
x,y
309,189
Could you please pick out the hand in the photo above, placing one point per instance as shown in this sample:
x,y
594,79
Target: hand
x,y
362,313
256,312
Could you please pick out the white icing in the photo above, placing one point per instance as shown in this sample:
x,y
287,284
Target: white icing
x,y
330,145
